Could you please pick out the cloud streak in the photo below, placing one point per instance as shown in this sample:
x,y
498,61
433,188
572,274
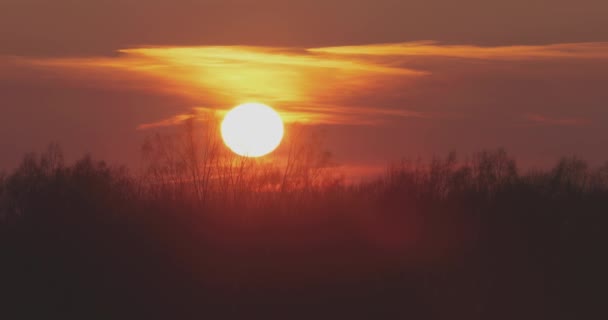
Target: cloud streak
x,y
586,50
376,102
347,85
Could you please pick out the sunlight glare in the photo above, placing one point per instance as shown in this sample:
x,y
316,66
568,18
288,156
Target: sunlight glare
x,y
252,130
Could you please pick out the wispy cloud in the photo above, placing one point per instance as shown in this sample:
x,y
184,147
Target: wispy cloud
x,y
175,120
304,86
556,121
317,115
594,50
330,85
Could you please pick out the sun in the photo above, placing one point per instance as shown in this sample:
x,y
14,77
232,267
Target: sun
x,y
252,130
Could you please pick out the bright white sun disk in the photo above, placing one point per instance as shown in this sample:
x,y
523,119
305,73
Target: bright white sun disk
x,y
252,130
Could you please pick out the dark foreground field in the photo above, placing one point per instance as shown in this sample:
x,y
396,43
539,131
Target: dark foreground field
x,y
442,240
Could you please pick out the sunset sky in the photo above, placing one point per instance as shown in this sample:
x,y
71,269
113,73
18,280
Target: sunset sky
x,y
383,79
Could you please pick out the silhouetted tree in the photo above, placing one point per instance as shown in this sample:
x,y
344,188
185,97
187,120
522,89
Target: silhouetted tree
x,y
204,233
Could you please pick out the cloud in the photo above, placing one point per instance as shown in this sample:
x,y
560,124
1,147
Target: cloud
x,y
304,86
172,121
316,115
377,102
347,85
586,50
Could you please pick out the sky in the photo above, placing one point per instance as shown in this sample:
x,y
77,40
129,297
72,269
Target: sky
x,y
382,79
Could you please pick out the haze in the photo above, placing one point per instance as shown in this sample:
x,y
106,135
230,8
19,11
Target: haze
x,y
98,76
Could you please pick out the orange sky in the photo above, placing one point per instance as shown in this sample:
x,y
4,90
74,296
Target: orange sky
x,y
383,79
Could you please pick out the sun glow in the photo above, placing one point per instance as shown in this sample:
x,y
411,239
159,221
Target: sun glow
x,y
252,130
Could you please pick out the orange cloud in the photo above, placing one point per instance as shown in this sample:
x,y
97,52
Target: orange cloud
x,y
594,50
305,87
330,85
